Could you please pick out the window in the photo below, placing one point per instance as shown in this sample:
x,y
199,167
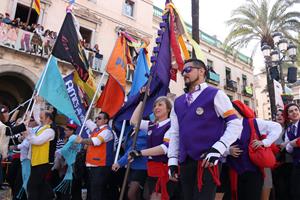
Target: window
x,y
86,36
244,78
228,74
246,102
210,64
128,8
22,13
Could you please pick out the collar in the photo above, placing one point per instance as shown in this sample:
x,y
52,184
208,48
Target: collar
x,y
102,126
296,123
160,124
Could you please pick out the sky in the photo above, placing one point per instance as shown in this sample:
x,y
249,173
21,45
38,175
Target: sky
x,y
212,17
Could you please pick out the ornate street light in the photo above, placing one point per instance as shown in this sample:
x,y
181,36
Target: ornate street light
x,y
292,51
266,50
275,56
276,37
283,44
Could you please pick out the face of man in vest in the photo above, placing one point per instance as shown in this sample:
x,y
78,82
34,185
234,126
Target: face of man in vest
x,y
45,120
293,113
193,74
100,120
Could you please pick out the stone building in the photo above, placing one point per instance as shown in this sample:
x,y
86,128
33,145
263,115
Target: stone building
x,y
100,21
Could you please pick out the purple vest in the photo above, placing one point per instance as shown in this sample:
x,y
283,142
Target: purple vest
x,y
242,163
198,132
157,138
296,152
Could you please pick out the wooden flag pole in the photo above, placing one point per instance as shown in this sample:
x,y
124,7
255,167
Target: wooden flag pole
x,y
29,13
136,131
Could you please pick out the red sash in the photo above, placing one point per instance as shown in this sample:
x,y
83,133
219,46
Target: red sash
x,y
159,170
214,170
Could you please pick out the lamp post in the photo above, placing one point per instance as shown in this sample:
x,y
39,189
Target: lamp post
x,y
282,52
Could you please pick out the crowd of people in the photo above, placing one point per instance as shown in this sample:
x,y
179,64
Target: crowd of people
x,y
201,146
42,41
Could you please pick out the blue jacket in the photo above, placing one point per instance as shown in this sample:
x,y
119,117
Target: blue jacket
x,y
141,143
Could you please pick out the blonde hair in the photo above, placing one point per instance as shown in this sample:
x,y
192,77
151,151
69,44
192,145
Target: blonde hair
x,y
167,102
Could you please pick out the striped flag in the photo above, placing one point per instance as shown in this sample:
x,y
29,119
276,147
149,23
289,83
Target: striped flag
x,y
37,6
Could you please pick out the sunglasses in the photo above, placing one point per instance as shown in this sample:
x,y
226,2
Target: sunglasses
x,y
187,70
99,118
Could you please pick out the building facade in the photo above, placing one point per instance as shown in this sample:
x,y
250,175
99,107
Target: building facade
x,y
20,66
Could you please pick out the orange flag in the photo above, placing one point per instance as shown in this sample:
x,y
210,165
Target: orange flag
x,y
112,97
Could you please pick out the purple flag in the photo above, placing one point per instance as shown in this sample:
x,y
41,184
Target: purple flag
x,y
80,111
160,72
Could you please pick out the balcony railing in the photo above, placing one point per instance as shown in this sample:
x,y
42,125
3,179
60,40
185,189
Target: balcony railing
x,y
231,85
247,91
213,78
34,44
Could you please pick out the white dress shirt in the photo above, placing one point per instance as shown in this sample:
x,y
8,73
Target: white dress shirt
x,y
222,106
145,126
289,147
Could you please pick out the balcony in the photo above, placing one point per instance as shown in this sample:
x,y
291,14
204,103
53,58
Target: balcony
x,y
231,85
247,91
33,44
213,78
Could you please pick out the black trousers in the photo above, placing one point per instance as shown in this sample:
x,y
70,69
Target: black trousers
x,y
38,187
250,185
189,182
282,181
98,178
295,185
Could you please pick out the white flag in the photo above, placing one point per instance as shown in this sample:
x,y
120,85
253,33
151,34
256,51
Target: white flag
x,y
278,92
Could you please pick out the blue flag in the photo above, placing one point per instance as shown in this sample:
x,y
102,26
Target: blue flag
x,y
159,86
80,111
53,90
140,75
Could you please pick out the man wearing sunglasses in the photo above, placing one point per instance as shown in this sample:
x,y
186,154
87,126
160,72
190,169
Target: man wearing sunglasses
x,y
99,155
203,125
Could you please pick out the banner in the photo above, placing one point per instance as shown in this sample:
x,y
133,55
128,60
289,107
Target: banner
x,y
80,111
278,92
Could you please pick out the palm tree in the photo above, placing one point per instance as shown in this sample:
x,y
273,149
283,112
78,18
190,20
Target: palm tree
x,y
195,21
257,20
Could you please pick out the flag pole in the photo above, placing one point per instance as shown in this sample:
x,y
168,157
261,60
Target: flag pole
x,y
91,105
21,105
136,131
39,87
120,141
29,13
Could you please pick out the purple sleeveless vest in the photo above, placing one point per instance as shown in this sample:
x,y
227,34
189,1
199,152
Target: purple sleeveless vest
x,y
242,163
157,138
296,152
198,132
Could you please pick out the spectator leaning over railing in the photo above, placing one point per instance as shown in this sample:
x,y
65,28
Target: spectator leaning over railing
x,y
7,19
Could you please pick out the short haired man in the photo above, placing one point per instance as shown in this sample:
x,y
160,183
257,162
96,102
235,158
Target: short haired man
x,y
203,126
41,156
99,156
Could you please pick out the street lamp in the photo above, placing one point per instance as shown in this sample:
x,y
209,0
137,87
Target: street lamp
x,y
283,51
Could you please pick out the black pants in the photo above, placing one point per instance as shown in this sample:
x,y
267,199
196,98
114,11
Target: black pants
x,y
295,185
38,187
14,178
282,181
98,178
250,185
189,182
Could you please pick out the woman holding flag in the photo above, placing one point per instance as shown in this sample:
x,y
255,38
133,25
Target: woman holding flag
x,y
157,142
